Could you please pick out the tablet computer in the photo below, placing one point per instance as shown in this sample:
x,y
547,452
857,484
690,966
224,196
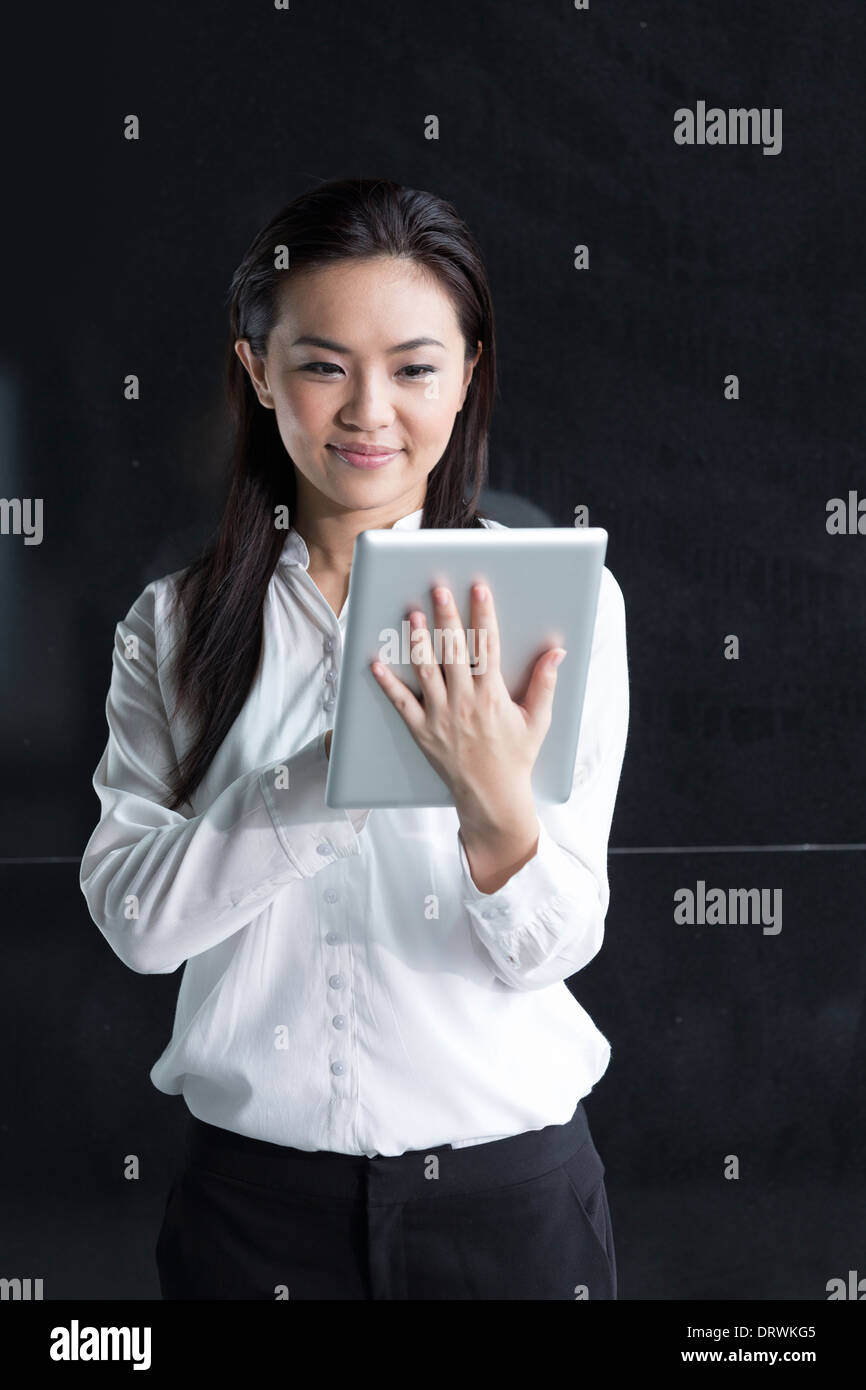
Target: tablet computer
x,y
545,583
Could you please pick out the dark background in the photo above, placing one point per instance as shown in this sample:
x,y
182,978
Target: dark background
x,y
556,128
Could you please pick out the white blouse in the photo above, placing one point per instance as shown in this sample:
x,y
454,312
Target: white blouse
x,y
347,986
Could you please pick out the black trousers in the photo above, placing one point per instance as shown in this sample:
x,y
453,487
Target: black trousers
x,y
518,1218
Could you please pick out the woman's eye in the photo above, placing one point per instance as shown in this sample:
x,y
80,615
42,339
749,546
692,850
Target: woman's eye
x,y
422,371
314,366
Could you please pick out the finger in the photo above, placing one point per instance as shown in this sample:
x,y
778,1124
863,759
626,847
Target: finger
x,y
452,636
538,703
423,659
484,639
401,697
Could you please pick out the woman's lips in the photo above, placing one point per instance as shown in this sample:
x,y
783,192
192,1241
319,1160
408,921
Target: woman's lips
x,y
364,460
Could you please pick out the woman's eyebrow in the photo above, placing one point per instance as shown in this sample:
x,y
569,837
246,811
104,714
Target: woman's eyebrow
x,y
328,346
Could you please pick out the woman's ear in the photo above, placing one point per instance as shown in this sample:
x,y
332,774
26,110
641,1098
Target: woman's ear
x,y
257,371
467,375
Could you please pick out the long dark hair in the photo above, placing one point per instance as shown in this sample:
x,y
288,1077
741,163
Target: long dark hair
x,y
222,593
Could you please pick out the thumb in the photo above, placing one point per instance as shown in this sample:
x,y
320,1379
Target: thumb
x,y
539,695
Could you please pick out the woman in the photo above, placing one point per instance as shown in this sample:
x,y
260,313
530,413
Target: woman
x,y
381,1060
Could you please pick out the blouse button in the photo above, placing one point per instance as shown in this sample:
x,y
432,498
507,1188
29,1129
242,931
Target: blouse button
x,y
336,981
338,1068
339,1021
324,848
331,896
332,938
329,644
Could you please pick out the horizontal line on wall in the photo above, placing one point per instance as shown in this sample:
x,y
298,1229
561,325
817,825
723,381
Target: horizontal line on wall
x,y
727,849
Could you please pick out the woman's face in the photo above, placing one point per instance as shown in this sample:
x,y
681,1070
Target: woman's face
x,y
363,382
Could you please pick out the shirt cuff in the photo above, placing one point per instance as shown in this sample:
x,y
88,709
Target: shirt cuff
x,y
311,833
526,921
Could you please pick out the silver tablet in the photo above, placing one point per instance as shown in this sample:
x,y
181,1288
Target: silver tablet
x,y
545,584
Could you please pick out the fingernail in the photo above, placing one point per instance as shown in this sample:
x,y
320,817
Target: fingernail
x,y
556,660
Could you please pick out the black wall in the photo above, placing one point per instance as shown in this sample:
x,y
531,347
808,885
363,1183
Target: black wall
x,y
556,129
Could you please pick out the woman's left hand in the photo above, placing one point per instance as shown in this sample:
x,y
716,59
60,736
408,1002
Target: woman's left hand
x,y
481,742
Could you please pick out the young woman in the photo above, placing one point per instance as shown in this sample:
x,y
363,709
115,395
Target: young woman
x,y
383,1065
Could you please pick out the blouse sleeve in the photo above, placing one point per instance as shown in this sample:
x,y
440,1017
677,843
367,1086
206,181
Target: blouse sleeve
x,y
162,886
547,921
